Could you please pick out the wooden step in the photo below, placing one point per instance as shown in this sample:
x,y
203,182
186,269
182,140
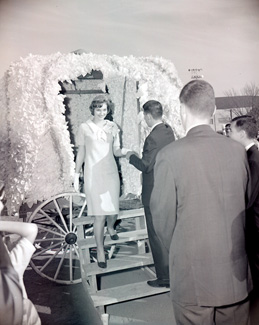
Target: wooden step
x,y
131,213
124,237
124,293
120,263
123,214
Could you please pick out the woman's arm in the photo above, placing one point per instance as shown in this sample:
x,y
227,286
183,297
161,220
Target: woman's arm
x,y
23,229
117,150
80,157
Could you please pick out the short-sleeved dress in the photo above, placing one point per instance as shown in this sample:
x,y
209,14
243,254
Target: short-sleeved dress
x,y
101,178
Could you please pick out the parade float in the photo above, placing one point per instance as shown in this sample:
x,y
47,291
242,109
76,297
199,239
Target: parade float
x,y
44,99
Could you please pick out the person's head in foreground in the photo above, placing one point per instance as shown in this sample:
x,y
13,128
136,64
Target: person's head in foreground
x,y
197,101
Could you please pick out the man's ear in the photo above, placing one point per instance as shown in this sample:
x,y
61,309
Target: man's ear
x,y
242,134
183,115
148,116
183,109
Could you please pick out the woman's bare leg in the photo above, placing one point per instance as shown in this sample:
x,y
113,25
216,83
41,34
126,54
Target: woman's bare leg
x,y
99,223
110,224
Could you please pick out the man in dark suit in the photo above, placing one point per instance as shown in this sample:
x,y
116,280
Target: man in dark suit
x,y
161,134
200,184
244,130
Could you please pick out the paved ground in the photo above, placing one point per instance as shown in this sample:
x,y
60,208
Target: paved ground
x,y
70,305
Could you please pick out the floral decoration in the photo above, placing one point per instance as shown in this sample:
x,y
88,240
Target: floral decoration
x,y
37,159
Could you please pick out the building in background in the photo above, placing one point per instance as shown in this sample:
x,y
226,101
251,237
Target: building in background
x,y
229,107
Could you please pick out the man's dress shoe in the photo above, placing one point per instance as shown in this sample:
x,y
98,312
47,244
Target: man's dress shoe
x,y
158,283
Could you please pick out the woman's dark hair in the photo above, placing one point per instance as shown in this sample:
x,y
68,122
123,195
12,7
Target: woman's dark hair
x,y
99,100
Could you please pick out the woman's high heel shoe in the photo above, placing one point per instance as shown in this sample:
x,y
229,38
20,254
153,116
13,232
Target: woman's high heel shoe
x,y
102,265
114,237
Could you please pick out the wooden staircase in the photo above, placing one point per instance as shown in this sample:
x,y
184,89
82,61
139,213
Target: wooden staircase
x,y
90,271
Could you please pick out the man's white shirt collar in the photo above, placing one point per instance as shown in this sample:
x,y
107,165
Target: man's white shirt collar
x,y
193,126
160,122
249,146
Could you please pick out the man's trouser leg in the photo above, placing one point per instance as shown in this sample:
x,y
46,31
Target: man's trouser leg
x,y
236,314
159,252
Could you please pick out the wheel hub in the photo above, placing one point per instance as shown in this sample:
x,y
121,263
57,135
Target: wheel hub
x,y
71,238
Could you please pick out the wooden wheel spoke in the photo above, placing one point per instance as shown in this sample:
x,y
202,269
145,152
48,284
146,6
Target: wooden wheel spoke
x,y
60,263
39,218
45,250
82,209
60,215
54,222
70,213
50,231
80,214
76,250
70,264
50,259
44,240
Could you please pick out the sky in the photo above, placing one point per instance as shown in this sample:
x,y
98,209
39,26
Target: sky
x,y
218,36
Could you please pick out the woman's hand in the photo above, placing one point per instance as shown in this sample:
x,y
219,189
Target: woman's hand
x,y
124,151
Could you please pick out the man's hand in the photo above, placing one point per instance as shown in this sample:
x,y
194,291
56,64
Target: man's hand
x,y
129,153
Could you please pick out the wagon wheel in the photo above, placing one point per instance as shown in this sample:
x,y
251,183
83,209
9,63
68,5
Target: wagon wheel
x,y
57,257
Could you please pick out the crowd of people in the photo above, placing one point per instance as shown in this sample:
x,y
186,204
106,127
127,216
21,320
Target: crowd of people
x,y
201,203
200,197
201,215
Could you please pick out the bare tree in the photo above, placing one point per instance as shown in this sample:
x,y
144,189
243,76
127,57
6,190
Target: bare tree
x,y
255,113
246,101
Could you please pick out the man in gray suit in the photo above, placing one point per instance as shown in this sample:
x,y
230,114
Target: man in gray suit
x,y
161,134
200,195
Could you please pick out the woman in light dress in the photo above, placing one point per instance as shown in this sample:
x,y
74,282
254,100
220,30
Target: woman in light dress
x,y
98,142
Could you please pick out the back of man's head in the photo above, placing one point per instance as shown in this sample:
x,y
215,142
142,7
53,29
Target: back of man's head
x,y
199,97
246,123
154,108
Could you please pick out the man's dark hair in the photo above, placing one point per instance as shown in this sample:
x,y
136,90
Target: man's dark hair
x,y
154,108
199,97
246,123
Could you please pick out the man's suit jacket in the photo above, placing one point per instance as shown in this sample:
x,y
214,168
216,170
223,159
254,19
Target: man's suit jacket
x,y
199,195
253,161
160,136
253,212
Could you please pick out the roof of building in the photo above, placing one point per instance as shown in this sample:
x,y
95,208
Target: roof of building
x,y
236,101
